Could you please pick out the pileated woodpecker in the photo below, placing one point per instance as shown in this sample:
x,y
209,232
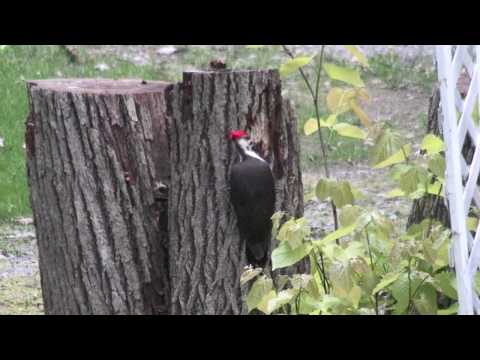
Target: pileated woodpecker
x,y
253,198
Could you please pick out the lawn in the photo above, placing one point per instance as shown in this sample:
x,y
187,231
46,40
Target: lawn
x,y
18,63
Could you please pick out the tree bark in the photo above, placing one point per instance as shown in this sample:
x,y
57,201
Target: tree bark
x,y
432,206
207,256
95,151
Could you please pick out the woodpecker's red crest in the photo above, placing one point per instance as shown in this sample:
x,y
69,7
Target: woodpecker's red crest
x,y
238,134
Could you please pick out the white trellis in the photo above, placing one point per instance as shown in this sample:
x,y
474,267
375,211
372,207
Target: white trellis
x,y
461,178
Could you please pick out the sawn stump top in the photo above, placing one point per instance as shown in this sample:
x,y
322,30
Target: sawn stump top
x,y
100,86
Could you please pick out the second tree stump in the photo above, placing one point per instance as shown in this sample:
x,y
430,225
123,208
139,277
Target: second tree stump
x,y
207,256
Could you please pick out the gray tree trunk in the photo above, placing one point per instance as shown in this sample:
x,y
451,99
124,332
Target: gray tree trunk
x,y
432,206
206,254
95,150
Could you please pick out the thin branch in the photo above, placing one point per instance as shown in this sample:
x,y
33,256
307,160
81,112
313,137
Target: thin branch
x,y
372,265
319,72
304,76
434,202
409,283
410,303
315,96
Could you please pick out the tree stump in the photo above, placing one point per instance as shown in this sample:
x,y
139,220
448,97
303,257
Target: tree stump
x,y
95,151
207,255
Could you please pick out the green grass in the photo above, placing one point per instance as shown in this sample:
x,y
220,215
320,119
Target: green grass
x,y
18,63
396,75
21,295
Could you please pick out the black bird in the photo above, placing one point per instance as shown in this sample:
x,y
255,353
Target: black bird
x,y
253,198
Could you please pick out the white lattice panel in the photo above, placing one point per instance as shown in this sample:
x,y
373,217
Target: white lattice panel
x,y
454,64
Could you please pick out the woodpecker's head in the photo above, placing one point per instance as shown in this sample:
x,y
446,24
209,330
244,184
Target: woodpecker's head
x,y
244,144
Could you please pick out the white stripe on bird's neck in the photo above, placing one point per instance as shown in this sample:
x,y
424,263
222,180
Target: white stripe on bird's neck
x,y
246,149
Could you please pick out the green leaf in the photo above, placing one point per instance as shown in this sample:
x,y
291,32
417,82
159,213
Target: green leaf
x,y
452,310
249,274
386,281
255,46
426,300
357,54
323,189
294,232
409,183
307,304
339,100
357,194
259,289
442,259
436,189
361,115
311,126
341,193
349,215
387,143
263,305
284,256
349,76
433,144
3,47
436,165
475,113
477,282
276,221
354,249
472,223
400,292
341,232
301,281
350,131
444,283
294,64
399,157
281,299
330,304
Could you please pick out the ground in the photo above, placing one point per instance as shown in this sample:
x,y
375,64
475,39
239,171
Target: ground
x,y
399,84
19,276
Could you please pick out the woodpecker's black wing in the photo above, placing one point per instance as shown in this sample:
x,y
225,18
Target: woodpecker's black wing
x,y
253,198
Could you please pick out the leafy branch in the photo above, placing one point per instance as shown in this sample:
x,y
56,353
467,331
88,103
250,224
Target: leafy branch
x,y
348,276
315,93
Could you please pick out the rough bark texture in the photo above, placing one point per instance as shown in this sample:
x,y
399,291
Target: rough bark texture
x,y
95,150
206,254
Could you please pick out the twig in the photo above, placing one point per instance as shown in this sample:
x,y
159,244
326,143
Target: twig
x,y
410,303
372,265
315,96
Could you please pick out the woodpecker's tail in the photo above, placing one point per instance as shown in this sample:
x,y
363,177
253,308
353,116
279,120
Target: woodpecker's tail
x,y
257,253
